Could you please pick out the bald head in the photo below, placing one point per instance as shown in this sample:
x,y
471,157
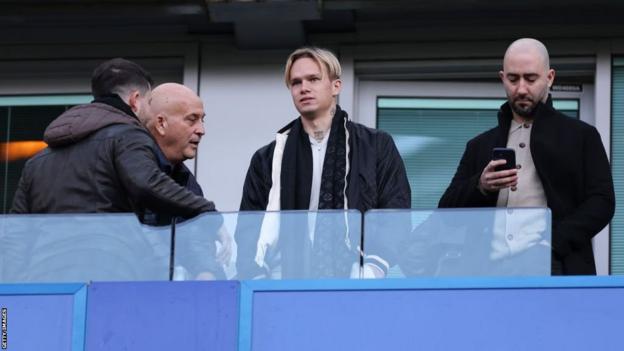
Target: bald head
x,y
168,97
527,77
176,121
528,46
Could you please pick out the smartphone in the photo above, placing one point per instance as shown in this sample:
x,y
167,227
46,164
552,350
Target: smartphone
x,y
503,153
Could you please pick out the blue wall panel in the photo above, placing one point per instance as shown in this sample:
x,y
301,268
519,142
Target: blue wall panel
x,y
44,316
441,314
163,316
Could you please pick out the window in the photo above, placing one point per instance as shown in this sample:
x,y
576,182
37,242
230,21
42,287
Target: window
x,y
23,120
431,135
617,165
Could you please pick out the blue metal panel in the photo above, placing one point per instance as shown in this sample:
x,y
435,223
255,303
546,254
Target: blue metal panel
x,y
163,316
246,313
44,316
434,314
40,289
437,283
80,319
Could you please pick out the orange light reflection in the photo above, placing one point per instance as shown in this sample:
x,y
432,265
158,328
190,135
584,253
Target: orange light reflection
x,y
20,150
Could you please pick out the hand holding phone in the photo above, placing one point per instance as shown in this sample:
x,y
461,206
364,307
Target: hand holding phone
x,y
507,154
496,176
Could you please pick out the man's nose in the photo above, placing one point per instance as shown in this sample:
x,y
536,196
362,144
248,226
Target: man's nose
x,y
522,87
200,130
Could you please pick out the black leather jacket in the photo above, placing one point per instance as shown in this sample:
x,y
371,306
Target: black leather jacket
x,y
100,159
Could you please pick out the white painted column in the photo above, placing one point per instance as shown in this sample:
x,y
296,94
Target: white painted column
x,y
191,80
347,95
603,124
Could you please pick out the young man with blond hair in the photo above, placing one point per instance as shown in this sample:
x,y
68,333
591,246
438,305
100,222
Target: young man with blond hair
x,y
322,160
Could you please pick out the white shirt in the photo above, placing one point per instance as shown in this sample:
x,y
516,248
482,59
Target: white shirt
x,y
319,148
529,192
514,231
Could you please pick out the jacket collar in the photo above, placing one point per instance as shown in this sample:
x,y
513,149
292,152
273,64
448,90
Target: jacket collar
x,y
179,172
163,163
115,101
542,110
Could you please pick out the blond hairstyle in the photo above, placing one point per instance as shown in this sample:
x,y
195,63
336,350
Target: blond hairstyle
x,y
322,57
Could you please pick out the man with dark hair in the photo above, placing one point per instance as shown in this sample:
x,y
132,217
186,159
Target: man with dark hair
x,y
120,77
101,159
561,164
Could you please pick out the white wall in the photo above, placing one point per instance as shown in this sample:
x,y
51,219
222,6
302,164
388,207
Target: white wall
x,y
246,102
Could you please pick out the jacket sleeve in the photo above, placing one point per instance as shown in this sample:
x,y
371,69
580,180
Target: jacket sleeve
x,y
146,184
463,190
255,198
394,192
257,182
21,200
598,205
394,188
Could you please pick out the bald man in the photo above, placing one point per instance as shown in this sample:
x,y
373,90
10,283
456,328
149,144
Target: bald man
x,y
561,164
176,121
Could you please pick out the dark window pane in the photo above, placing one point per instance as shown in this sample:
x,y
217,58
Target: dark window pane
x,y
29,122
4,125
21,123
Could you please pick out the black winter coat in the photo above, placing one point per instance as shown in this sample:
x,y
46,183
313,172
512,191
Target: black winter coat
x,y
377,177
574,170
376,180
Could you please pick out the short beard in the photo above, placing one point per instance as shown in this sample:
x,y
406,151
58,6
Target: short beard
x,y
528,112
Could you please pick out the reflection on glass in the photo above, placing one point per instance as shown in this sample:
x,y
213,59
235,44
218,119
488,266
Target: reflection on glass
x,y
203,248
272,245
463,242
81,248
277,245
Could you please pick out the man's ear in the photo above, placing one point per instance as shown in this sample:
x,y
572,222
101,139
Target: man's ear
x,y
134,101
501,75
550,75
336,87
160,124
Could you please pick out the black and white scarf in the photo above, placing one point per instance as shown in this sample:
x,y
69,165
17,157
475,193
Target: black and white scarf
x,y
296,172
292,181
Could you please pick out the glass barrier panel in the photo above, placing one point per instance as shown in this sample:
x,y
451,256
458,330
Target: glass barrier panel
x,y
82,248
460,242
269,245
